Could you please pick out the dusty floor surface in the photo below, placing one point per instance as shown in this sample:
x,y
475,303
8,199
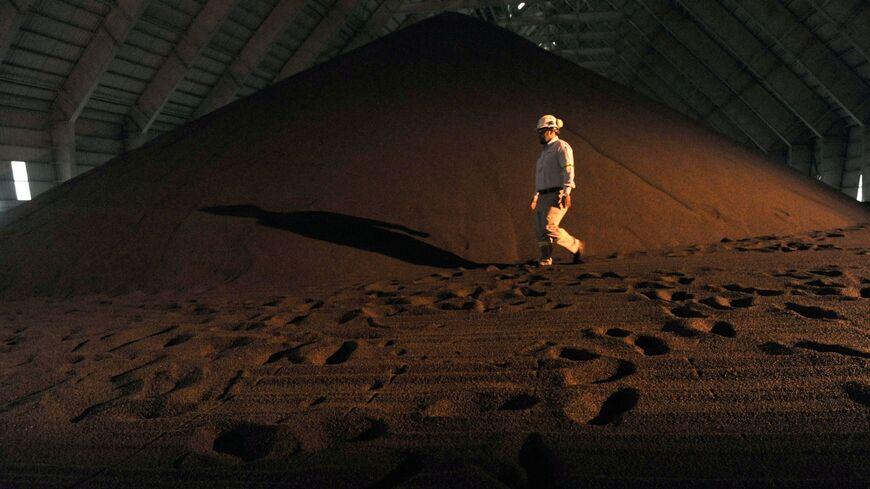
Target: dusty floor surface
x,y
740,363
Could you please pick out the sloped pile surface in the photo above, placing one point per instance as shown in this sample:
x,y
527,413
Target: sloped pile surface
x,y
415,151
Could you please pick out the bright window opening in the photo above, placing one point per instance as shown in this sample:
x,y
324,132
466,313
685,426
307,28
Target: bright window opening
x,y
861,188
22,185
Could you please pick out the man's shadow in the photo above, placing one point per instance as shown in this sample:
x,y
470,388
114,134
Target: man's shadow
x,y
393,240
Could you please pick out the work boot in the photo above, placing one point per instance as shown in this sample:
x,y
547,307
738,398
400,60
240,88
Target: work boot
x,y
545,262
546,256
578,255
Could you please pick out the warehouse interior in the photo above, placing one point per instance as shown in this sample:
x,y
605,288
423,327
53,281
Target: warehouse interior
x,y
83,81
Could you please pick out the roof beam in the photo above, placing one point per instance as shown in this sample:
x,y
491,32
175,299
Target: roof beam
x,y
429,6
593,65
23,117
854,161
12,14
672,94
680,96
317,42
146,109
572,18
63,135
676,99
374,25
586,51
694,84
81,82
246,62
843,33
701,116
737,58
721,80
579,36
782,53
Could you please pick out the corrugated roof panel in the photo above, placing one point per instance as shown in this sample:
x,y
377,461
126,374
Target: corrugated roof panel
x,y
121,87
40,172
182,104
190,7
353,23
134,54
109,104
257,82
231,40
240,25
161,127
212,60
157,31
23,136
59,30
73,15
92,159
271,64
250,14
90,127
28,77
147,42
842,10
187,88
96,144
259,7
111,117
100,7
50,65
48,45
28,119
299,29
9,99
174,17
859,28
131,70
245,91
172,118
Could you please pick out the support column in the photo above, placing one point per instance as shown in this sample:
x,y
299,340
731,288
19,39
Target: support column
x,y
63,136
854,162
865,166
133,137
818,160
802,155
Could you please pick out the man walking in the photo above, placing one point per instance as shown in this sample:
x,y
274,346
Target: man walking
x,y
554,179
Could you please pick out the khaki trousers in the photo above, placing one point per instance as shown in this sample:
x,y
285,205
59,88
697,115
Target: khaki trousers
x,y
548,215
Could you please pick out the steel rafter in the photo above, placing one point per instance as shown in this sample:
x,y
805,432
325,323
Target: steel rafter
x,y
782,53
246,62
434,6
85,75
12,15
374,25
711,71
155,96
571,18
697,88
84,78
841,33
317,42
759,79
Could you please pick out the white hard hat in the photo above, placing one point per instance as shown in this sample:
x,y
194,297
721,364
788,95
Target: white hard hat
x,y
549,121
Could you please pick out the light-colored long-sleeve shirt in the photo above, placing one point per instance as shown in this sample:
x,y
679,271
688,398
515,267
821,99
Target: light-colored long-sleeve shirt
x,y
555,167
